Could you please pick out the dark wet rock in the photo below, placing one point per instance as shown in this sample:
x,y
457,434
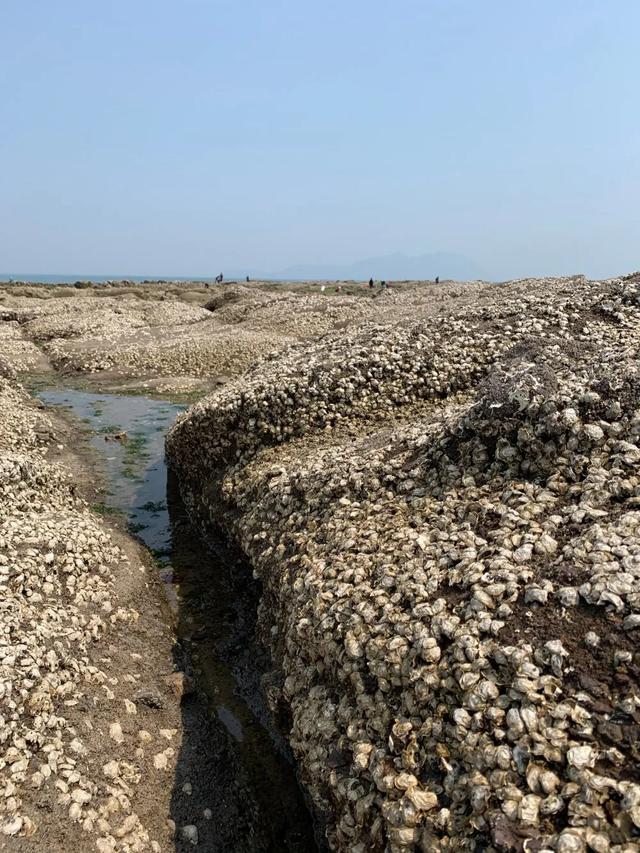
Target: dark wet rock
x,y
149,697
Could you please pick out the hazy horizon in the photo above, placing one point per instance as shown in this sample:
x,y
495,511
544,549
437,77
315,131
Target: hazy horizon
x,y
211,136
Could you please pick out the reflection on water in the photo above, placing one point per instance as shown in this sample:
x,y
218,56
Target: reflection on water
x,y
214,601
128,433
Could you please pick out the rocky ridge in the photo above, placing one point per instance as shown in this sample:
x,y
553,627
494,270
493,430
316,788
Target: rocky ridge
x,y
445,517
154,332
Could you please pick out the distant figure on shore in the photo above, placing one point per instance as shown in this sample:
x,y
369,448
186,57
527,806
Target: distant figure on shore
x,y
248,278
370,282
219,278
383,284
338,288
437,279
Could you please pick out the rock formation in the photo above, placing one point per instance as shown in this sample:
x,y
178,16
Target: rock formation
x,y
444,513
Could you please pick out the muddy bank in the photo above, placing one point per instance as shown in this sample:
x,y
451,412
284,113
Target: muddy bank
x,y
127,724
84,761
445,517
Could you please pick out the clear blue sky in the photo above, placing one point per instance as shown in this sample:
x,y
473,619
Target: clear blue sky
x,y
146,136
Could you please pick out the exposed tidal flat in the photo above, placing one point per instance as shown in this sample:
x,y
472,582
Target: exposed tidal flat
x,y
432,498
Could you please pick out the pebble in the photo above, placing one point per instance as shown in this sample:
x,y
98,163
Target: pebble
x,y
190,833
115,733
111,769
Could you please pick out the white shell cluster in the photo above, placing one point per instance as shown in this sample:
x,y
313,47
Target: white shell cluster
x,y
444,514
178,331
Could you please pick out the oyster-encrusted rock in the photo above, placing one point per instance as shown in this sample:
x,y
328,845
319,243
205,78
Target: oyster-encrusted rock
x,y
440,510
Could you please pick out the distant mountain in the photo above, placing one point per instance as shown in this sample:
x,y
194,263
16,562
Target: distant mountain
x,y
394,267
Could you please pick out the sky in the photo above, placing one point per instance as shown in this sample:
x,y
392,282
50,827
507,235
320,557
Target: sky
x,y
183,138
